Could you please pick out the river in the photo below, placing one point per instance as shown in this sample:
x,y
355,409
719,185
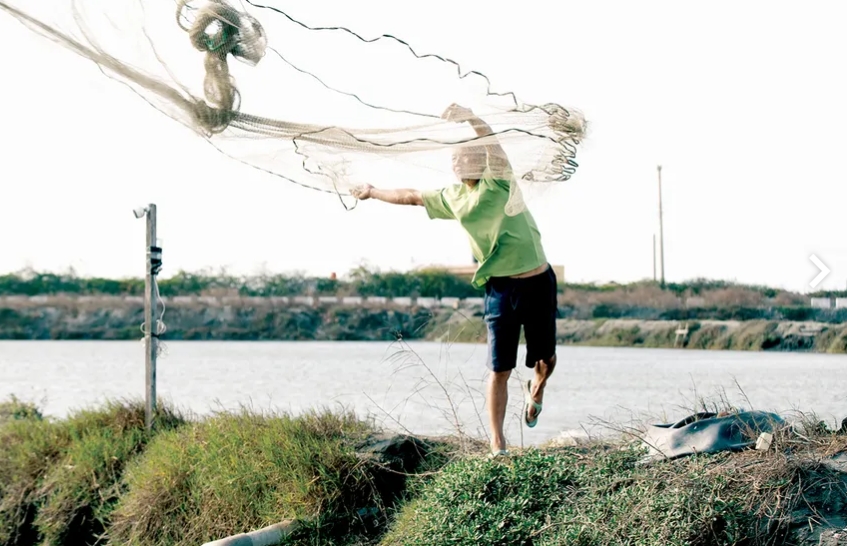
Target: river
x,y
425,388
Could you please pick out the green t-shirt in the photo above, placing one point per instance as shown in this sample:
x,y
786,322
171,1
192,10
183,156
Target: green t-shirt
x,y
503,245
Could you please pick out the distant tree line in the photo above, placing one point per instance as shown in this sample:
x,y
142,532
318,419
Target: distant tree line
x,y
361,282
609,300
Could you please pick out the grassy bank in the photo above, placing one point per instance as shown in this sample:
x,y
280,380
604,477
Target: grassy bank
x,y
69,319
601,495
205,306
115,319
751,335
61,481
98,478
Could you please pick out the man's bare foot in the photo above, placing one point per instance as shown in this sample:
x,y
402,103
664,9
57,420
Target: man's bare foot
x,y
498,444
536,393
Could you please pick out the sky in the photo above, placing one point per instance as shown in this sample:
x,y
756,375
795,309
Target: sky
x,y
741,103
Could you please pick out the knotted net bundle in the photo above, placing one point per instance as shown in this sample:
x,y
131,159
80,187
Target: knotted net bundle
x,y
318,106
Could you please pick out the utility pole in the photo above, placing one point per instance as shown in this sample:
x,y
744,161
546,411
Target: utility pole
x,y
661,230
654,257
151,324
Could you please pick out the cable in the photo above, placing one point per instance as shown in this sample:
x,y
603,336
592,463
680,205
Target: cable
x,y
159,324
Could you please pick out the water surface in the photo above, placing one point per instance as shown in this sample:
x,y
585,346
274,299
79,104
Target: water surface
x,y
423,387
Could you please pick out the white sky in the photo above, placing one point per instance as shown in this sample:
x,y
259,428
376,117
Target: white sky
x,y
743,104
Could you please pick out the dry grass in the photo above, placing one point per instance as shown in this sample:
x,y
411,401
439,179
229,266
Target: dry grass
x,y
638,295
735,296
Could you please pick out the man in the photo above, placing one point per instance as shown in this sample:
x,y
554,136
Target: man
x,y
520,285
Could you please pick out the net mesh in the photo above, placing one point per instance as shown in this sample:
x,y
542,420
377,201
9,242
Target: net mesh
x,y
322,107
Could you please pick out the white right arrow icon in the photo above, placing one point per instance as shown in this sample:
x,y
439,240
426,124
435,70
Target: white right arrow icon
x,y
824,271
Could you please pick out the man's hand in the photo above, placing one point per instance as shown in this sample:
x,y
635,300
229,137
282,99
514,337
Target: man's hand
x,y
458,114
395,197
363,192
498,161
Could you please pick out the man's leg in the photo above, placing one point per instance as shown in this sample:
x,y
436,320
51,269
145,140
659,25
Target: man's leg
x,y
498,398
539,310
504,333
543,370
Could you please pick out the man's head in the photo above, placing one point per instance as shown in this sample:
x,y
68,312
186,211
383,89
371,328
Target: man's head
x,y
469,163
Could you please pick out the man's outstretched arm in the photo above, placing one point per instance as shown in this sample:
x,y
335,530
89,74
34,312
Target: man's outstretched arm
x,y
395,197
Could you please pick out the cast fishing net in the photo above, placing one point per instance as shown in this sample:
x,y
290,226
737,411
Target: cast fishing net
x,y
321,107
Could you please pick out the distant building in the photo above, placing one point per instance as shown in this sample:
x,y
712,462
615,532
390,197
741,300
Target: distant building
x,y
821,303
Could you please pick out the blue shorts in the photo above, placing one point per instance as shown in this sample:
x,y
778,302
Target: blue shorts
x,y
511,303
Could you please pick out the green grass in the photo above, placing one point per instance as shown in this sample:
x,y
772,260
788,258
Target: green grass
x,y
28,449
14,409
78,495
238,472
602,496
98,477
60,480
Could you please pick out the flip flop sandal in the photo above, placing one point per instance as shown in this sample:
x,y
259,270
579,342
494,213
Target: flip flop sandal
x,y
497,454
530,403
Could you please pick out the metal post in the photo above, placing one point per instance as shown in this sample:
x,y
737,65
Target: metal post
x,y
661,230
150,324
654,257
